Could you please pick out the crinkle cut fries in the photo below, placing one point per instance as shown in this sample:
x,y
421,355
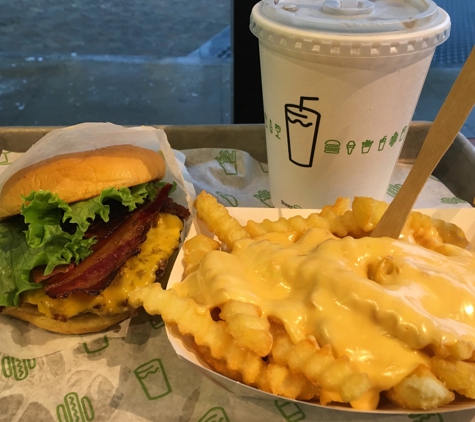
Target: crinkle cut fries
x,y
249,344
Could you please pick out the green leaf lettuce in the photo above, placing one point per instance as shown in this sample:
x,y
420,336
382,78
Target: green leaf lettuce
x,y
37,236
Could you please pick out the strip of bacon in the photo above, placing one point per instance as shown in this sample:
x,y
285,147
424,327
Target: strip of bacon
x,y
37,273
94,274
171,207
100,229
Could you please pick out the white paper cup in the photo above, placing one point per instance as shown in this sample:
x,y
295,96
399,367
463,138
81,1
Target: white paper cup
x,y
340,81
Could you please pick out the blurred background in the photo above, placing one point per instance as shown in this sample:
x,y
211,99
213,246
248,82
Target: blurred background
x,y
160,62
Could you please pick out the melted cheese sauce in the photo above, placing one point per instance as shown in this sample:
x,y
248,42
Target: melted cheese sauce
x,y
377,301
162,239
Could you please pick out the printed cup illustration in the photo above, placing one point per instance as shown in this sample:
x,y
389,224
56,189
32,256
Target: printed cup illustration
x,y
96,345
341,71
291,412
17,369
302,129
75,409
153,379
215,414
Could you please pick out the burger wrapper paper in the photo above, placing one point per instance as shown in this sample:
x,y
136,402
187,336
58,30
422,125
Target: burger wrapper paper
x,y
132,371
22,340
90,136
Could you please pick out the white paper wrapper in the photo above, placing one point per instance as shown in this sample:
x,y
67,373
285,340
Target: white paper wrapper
x,y
20,339
131,372
89,136
237,180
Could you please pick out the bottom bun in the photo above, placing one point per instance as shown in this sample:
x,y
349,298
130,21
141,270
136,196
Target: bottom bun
x,y
80,324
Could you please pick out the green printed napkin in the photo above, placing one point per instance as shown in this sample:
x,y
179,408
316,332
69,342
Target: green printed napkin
x,y
238,180
139,378
131,372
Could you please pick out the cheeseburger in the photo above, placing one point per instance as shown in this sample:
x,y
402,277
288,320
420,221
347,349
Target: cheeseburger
x,y
80,231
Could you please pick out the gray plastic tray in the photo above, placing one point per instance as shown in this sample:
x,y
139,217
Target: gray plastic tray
x,y
456,169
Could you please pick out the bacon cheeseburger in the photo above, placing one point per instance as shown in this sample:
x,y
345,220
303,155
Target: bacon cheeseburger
x,y
79,232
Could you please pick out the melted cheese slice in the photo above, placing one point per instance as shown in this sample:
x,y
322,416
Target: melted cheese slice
x,y
162,240
378,301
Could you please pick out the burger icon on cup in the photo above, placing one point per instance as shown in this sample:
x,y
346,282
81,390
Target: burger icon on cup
x,y
332,146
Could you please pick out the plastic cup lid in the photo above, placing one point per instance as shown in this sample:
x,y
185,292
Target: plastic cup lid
x,y
405,26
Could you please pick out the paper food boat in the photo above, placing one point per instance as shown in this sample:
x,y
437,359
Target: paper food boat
x,y
463,217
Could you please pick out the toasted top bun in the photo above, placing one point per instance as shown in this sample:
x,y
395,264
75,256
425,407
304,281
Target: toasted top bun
x,y
82,175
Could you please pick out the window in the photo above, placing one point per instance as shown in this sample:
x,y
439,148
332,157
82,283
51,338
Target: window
x,y
131,63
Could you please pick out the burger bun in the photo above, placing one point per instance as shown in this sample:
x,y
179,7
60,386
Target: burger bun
x,y
82,175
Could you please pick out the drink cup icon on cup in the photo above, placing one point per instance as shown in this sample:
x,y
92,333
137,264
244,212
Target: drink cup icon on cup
x,y
302,124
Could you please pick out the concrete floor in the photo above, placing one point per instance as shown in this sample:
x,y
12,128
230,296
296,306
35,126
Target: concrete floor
x,y
52,93
131,63
95,28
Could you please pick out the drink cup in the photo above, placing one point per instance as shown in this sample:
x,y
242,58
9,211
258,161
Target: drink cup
x,y
340,83
153,379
